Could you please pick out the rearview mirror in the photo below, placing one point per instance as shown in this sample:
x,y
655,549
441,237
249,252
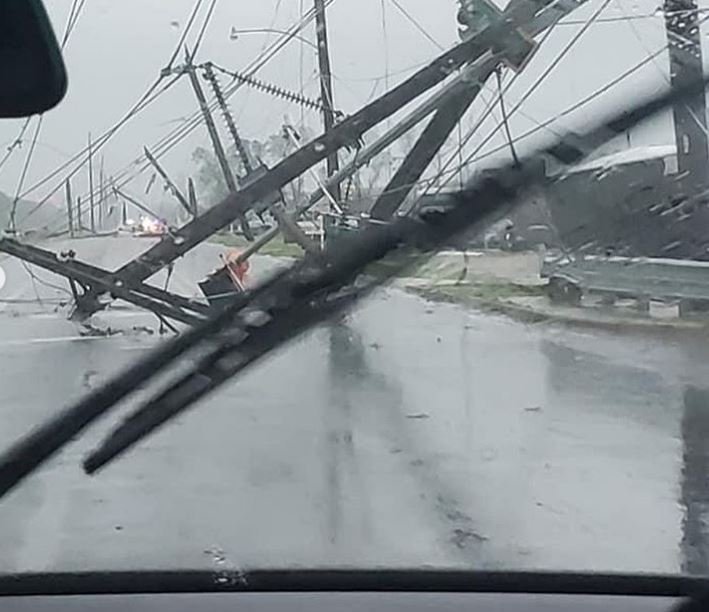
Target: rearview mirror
x,y
32,74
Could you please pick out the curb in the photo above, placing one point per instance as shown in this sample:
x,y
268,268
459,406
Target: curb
x,y
526,314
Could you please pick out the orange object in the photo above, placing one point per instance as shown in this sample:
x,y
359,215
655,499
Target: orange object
x,y
238,271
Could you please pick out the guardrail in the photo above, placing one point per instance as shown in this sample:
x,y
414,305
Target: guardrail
x,y
643,279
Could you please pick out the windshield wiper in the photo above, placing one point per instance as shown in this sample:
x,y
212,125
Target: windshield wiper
x,y
293,301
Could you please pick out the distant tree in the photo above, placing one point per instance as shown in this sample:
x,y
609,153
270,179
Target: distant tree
x,y
209,179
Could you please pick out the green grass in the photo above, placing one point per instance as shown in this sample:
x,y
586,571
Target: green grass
x,y
276,248
485,292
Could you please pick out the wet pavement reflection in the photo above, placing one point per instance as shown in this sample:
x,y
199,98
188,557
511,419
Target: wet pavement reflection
x,y
409,433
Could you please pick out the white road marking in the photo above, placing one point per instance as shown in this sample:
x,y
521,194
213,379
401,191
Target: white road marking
x,y
31,341
3,277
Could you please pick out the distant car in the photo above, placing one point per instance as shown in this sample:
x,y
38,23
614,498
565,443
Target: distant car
x,y
150,227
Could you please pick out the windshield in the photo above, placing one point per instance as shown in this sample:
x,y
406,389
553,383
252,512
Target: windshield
x,y
421,301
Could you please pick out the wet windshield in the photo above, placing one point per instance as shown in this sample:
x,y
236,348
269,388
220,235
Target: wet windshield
x,y
359,284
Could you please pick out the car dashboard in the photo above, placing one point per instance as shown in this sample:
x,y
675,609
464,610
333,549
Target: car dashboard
x,y
351,591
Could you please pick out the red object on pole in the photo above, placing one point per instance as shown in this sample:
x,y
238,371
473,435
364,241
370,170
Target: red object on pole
x,y
237,270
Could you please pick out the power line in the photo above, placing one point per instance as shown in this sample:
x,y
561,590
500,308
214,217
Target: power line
x,y
74,13
207,20
23,175
700,124
16,143
185,33
148,97
505,120
143,102
487,112
545,74
416,24
72,24
179,133
576,106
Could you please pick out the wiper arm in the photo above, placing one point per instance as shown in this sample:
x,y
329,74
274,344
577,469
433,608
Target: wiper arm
x,y
288,289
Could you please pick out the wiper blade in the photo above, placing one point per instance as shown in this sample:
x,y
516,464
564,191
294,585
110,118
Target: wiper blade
x,y
283,302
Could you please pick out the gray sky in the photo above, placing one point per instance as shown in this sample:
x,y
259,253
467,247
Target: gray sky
x,y
118,48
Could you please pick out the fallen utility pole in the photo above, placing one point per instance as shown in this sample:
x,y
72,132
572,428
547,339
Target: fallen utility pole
x,y
94,279
134,201
349,130
168,181
469,78
519,49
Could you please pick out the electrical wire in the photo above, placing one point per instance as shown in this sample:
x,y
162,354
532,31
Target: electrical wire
x,y
416,24
179,133
148,98
505,120
557,60
142,103
205,25
16,143
697,120
74,14
545,124
70,18
23,175
185,33
293,302
72,23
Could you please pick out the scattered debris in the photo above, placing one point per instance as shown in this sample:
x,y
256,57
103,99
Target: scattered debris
x,y
89,331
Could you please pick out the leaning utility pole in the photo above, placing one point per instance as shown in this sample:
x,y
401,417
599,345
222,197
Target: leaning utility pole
x,y
128,281
91,187
519,48
216,141
168,181
101,194
685,47
79,222
69,211
192,194
333,160
229,119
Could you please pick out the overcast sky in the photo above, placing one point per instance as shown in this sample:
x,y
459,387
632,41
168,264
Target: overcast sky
x,y
119,47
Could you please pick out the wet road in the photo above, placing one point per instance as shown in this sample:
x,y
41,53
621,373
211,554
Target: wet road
x,y
414,434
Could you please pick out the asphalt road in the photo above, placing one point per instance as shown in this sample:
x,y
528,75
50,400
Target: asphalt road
x,y
414,434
